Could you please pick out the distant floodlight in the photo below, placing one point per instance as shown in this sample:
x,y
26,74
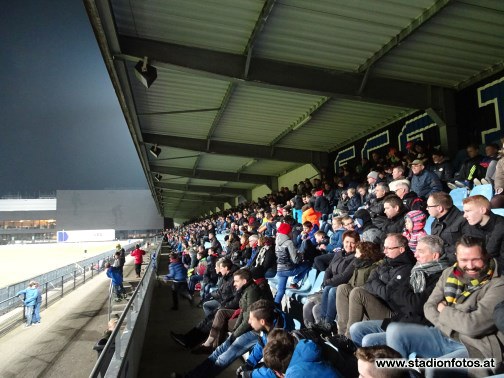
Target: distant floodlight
x,y
155,151
145,73
158,177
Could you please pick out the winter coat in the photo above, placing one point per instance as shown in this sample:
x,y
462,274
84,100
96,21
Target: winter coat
x,y
115,275
411,201
367,231
353,204
471,168
216,245
340,269
30,296
391,225
210,276
286,254
177,271
471,321
322,205
443,170
265,260
376,206
226,292
336,240
493,234
361,274
425,183
250,294
418,219
499,174
312,216
389,275
307,361
449,228
138,255
281,321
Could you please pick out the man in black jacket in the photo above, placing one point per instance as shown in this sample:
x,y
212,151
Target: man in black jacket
x,y
448,224
407,300
393,222
484,224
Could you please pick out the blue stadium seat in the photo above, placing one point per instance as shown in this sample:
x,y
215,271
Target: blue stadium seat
x,y
306,285
498,212
458,196
485,190
297,324
302,297
428,225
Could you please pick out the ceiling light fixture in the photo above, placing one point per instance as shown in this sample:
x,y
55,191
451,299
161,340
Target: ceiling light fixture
x,y
155,151
145,73
158,177
301,123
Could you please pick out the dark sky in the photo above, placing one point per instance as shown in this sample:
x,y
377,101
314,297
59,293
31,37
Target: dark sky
x,y
61,126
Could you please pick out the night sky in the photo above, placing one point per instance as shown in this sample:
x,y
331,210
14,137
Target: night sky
x,y
61,126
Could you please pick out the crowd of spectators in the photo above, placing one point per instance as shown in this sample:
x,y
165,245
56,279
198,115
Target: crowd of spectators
x,y
392,286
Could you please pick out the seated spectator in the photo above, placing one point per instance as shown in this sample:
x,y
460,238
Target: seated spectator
x,y
424,182
470,169
365,227
407,300
308,243
461,305
310,215
394,212
243,253
442,168
353,201
372,180
410,200
366,362
263,265
339,272
335,236
490,162
362,190
286,358
367,258
196,275
288,261
414,223
399,173
321,202
210,276
178,274
370,300
484,224
375,204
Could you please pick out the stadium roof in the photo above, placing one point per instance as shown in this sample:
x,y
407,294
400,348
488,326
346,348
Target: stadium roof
x,y
248,90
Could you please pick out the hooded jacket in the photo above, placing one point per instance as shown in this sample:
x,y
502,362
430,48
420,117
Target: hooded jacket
x,y
307,361
418,219
286,253
176,271
389,275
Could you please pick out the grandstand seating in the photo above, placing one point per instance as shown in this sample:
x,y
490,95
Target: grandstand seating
x,y
498,212
428,224
306,285
484,190
316,286
458,196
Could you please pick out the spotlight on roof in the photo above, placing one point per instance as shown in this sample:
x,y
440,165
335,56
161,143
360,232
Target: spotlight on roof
x,y
145,73
158,177
155,151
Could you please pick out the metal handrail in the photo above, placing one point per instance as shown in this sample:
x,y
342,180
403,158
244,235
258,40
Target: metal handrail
x,y
106,355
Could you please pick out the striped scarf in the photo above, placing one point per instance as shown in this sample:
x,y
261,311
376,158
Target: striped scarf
x,y
420,272
458,288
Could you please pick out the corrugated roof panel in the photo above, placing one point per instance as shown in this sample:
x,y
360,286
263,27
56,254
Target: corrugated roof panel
x,y
270,167
222,163
339,121
333,34
203,182
195,125
239,185
223,25
175,157
258,115
461,32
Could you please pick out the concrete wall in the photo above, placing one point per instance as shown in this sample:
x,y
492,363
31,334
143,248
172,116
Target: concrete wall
x,y
260,191
98,209
296,175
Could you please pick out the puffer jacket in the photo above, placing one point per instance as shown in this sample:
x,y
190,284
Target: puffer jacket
x,y
307,361
425,183
176,271
340,269
470,322
286,253
391,274
418,219
226,292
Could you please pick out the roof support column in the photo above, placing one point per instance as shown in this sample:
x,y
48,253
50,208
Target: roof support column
x,y
273,184
445,116
248,195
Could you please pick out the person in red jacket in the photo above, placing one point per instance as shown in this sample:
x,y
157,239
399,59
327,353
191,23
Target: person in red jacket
x,y
137,254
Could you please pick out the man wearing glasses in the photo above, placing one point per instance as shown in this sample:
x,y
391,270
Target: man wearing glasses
x,y
449,222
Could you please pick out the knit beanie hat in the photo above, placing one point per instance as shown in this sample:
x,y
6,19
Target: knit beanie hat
x,y
284,228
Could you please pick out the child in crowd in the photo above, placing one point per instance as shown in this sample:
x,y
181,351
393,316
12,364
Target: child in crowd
x,y
115,275
177,273
354,201
414,227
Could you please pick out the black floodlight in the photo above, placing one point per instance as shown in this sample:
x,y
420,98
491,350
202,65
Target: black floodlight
x,y
158,177
155,151
145,73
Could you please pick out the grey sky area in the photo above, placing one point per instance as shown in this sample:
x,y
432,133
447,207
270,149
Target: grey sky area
x,y
61,126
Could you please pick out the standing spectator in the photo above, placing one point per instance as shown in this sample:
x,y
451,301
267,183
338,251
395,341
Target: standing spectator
x,y
138,255
424,182
122,257
38,303
442,168
117,281
178,274
30,300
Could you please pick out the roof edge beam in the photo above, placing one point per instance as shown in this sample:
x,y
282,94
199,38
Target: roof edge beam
x,y
205,189
254,151
276,74
212,175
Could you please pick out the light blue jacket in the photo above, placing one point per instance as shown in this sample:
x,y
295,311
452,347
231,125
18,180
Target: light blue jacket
x,y
307,362
30,296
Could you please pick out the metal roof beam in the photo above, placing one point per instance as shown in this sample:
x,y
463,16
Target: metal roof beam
x,y
178,195
239,149
213,175
276,74
205,189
